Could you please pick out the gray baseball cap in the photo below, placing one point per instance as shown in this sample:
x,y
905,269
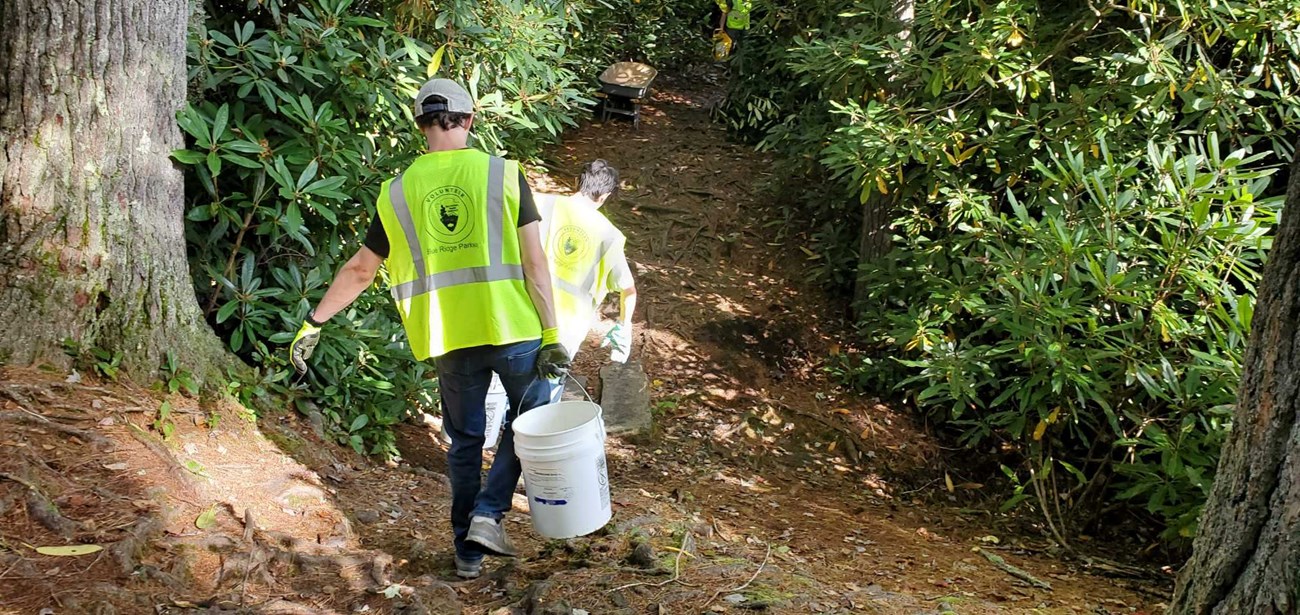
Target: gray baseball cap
x,y
458,100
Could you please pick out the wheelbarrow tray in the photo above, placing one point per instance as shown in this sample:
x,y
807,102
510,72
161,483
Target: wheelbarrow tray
x,y
627,79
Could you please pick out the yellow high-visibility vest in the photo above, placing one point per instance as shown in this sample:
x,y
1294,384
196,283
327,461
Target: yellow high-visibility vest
x,y
454,266
737,13
583,248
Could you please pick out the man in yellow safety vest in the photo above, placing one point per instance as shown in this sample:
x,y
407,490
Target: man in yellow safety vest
x,y
733,20
587,261
460,233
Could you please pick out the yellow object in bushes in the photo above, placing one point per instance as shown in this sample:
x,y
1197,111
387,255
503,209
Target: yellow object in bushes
x,y
721,46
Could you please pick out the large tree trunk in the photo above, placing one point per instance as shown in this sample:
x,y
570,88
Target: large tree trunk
x,y
1246,557
877,212
92,245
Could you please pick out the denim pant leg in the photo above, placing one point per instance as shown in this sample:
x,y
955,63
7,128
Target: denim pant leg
x,y
517,366
463,379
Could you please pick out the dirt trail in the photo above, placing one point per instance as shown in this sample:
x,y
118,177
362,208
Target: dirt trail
x,y
760,490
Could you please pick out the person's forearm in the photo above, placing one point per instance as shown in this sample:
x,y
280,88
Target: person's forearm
x,y
539,289
348,284
627,306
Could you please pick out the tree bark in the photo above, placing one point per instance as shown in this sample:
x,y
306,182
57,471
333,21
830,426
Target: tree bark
x,y
92,242
1246,557
873,240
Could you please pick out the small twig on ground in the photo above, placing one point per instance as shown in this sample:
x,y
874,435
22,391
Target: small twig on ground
x,y
18,480
844,431
22,402
677,570
1113,568
733,590
921,488
689,244
1015,572
654,572
17,559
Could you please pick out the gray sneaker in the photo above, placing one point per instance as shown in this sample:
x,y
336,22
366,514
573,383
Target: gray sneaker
x,y
468,570
491,535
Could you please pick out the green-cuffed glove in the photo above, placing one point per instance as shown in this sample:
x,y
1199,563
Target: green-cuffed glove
x,y
304,344
552,360
619,341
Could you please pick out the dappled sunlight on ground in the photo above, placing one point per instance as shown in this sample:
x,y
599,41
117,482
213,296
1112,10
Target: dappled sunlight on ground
x,y
762,486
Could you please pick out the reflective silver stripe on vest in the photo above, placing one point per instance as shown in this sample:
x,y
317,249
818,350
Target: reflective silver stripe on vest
x,y
496,210
573,289
455,277
583,291
495,271
397,196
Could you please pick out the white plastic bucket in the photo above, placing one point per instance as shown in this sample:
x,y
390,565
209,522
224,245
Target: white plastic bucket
x,y
497,405
562,450
495,409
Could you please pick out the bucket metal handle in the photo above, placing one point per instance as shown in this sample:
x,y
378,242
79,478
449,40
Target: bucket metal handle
x,y
600,412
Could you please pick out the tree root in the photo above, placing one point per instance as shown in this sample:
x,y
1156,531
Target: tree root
x,y
855,445
35,418
1015,572
156,447
129,550
43,510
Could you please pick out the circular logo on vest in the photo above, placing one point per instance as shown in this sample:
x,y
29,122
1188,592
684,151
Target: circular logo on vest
x,y
450,216
572,246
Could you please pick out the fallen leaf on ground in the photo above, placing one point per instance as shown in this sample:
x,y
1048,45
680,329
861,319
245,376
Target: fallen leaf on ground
x,y
207,519
116,466
70,550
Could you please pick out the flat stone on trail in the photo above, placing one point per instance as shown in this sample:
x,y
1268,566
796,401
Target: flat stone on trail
x,y
625,398
574,391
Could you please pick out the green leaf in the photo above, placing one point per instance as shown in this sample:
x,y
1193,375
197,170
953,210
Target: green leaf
x,y
413,49
221,38
357,423
196,468
224,313
241,161
326,185
219,123
307,175
292,218
214,164
327,213
206,519
185,156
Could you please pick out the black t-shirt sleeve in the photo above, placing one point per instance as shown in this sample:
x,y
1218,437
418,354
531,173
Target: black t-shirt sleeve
x,y
377,238
527,208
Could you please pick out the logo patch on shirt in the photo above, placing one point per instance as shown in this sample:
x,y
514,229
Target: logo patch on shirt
x,y
572,246
449,214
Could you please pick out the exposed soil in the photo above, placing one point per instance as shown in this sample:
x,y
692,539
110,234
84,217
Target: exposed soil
x,y
762,487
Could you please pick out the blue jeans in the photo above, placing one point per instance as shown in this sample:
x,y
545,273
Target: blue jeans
x,y
463,378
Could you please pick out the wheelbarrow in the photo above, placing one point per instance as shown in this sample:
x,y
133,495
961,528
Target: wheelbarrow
x,y
623,87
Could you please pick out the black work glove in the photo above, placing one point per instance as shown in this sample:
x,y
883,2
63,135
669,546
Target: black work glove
x,y
553,361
